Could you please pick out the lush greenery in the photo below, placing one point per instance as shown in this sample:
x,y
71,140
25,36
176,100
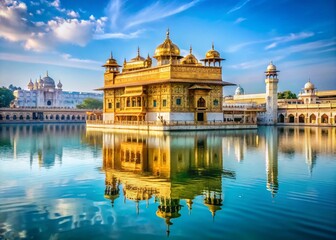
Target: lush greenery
x,y
6,96
13,88
286,95
91,103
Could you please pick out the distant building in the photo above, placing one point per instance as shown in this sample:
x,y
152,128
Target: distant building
x,y
312,107
45,93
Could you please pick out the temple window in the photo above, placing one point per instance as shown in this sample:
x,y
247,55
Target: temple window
x,y
154,103
201,102
215,102
178,101
118,105
109,105
164,102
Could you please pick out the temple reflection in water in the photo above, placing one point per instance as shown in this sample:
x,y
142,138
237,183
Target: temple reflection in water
x,y
167,168
174,168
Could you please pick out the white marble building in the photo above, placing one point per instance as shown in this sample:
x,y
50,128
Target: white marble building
x,y
45,93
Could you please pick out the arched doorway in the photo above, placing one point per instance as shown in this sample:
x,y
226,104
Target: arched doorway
x,y
301,118
312,118
324,118
291,118
281,118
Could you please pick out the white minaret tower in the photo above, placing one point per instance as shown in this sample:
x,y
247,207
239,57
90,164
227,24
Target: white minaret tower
x,y
271,95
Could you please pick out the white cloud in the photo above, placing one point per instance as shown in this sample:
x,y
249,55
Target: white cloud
x,y
42,36
238,6
239,20
73,14
113,8
56,59
158,11
13,26
289,38
308,47
118,35
275,41
256,63
74,31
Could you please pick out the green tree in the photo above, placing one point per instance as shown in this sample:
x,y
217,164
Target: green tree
x,y
91,103
6,96
286,95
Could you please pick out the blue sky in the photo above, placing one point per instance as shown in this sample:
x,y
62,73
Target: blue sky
x,y
73,38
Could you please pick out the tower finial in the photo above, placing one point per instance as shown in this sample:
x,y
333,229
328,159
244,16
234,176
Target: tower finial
x,y
190,49
167,33
213,46
138,51
47,73
111,56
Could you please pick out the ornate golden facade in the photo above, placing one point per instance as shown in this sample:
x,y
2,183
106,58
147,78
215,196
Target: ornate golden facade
x,y
177,89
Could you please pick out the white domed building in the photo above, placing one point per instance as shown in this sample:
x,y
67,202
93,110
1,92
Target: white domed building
x,y
45,93
308,95
312,107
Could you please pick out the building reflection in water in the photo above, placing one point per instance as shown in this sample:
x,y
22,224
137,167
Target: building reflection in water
x,y
43,142
308,141
271,158
166,168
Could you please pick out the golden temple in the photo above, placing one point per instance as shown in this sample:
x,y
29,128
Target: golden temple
x,y
176,89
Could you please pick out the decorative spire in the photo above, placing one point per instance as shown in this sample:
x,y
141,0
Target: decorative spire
x,y
111,56
190,49
213,46
167,33
148,57
138,51
124,60
47,74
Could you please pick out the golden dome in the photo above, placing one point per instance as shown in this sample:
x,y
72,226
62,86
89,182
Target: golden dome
x,y
167,48
189,59
309,85
138,57
271,68
111,62
30,84
212,53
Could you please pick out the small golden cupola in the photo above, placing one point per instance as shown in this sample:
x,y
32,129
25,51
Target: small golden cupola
x,y
111,65
167,52
212,56
190,59
137,63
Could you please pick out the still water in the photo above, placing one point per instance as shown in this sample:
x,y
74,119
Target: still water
x,y
64,182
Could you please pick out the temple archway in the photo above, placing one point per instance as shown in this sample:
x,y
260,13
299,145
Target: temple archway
x,y
301,118
281,118
291,118
312,118
324,118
